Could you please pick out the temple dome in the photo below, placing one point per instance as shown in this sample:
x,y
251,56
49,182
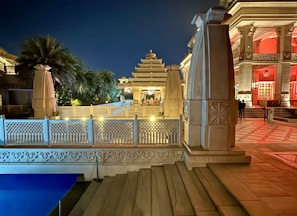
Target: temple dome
x,y
151,55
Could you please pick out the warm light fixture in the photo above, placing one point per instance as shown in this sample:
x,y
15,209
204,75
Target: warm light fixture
x,y
151,90
153,118
266,73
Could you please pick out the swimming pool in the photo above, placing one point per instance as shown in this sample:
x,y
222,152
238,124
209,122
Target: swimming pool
x,y
32,194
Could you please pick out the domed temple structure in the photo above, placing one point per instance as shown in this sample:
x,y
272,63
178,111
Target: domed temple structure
x,y
148,82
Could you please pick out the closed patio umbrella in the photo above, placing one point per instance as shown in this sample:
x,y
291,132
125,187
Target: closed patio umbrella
x,y
44,101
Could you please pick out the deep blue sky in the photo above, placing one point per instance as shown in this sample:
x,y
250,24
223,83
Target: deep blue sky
x,y
105,34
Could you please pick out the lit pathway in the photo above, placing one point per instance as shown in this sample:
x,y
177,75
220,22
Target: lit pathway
x,y
258,131
272,175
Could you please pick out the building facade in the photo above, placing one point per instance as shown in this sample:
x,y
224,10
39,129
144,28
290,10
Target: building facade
x,y
263,37
7,62
148,82
15,93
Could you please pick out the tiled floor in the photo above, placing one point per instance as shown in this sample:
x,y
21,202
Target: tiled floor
x,y
259,131
272,174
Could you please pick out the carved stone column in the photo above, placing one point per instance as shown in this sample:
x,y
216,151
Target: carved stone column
x,y
245,65
136,94
173,94
210,110
282,82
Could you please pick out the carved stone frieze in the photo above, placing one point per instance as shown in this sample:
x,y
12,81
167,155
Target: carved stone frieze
x,y
265,57
87,156
218,113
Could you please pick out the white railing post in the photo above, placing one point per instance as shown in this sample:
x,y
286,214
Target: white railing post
x,y
90,131
46,136
91,110
180,130
2,131
135,131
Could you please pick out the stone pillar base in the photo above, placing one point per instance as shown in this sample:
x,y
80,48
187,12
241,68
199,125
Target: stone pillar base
x,y
285,100
198,157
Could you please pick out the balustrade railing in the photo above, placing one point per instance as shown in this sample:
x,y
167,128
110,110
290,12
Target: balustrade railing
x,y
90,132
109,111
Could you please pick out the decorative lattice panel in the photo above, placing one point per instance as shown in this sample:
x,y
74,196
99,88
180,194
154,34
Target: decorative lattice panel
x,y
68,132
23,132
158,132
113,132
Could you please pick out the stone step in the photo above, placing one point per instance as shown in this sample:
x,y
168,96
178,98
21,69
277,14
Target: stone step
x,y
161,201
86,197
179,198
113,196
225,203
98,201
279,112
70,200
242,194
170,189
126,202
143,198
254,113
198,157
199,198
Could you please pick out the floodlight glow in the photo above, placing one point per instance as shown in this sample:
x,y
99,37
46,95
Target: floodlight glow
x,y
66,118
153,118
101,118
84,118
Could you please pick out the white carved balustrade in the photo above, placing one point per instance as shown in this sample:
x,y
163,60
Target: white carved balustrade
x,y
108,111
90,132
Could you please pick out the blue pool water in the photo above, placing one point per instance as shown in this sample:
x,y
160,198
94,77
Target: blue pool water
x,y
32,194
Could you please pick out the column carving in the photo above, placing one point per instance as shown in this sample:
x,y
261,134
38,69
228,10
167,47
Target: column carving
x,y
282,81
210,105
210,110
245,63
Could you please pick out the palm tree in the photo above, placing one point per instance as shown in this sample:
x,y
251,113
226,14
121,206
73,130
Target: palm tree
x,y
47,51
100,87
107,86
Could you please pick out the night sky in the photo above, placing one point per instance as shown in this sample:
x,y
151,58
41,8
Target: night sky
x,y
105,34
